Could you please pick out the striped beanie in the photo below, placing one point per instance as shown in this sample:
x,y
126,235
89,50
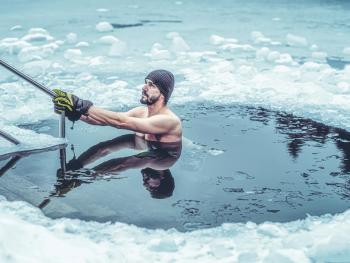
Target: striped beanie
x,y
164,80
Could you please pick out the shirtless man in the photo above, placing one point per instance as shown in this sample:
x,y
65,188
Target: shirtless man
x,y
155,122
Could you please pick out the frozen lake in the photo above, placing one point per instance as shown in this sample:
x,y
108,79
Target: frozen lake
x,y
263,89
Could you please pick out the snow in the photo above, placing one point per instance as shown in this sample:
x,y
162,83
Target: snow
x,y
104,27
313,239
295,40
71,38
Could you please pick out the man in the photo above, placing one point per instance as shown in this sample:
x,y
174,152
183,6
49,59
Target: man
x,y
155,122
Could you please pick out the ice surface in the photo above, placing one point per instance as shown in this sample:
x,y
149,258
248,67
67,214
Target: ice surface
x,y
314,239
28,139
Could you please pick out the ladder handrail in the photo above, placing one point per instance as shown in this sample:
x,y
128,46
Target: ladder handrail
x,y
62,130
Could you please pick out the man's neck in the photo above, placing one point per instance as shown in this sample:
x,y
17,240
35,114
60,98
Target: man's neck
x,y
155,108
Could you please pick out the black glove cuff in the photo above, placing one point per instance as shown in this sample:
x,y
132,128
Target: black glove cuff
x,y
73,115
81,106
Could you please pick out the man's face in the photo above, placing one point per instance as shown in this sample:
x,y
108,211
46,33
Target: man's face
x,y
150,93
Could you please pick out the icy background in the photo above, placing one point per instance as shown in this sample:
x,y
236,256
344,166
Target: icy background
x,y
276,54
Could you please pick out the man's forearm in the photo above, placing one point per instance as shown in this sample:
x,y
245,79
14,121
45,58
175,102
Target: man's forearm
x,y
90,120
106,117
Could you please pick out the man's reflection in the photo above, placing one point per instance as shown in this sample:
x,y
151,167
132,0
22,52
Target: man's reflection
x,y
154,162
160,183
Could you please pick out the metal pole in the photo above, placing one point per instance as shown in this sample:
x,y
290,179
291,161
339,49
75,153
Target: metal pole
x,y
27,78
62,126
62,131
9,137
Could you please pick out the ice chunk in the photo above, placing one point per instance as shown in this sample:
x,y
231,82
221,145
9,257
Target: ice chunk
x,y
28,138
157,52
281,69
319,55
37,67
71,38
172,35
37,52
163,245
215,152
16,27
237,47
117,49
346,51
102,10
179,44
343,87
104,27
273,56
72,53
59,42
259,38
30,53
294,40
37,34
314,47
311,66
38,30
262,53
108,40
12,45
82,44
216,40
285,58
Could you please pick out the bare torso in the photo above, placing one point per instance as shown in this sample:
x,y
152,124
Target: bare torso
x,y
174,134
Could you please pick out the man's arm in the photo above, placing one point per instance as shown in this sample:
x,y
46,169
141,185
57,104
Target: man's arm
x,y
157,124
135,112
104,148
90,120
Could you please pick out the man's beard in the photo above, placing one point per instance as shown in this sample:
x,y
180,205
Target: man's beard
x,y
148,100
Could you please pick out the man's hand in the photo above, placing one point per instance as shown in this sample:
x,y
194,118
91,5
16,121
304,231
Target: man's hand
x,y
73,106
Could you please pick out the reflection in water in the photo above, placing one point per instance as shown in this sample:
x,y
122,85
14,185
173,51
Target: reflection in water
x,y
300,132
16,156
155,162
160,184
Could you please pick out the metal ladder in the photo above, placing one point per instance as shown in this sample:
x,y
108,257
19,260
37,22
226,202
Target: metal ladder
x,y
62,123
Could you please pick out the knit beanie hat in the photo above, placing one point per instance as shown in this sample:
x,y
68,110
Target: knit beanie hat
x,y
164,80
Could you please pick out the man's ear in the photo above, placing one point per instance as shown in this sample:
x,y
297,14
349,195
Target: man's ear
x,y
163,98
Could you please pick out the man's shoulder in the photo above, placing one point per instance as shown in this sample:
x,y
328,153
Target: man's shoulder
x,y
139,112
170,118
174,116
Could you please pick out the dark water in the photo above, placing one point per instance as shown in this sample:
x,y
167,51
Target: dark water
x,y
237,164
